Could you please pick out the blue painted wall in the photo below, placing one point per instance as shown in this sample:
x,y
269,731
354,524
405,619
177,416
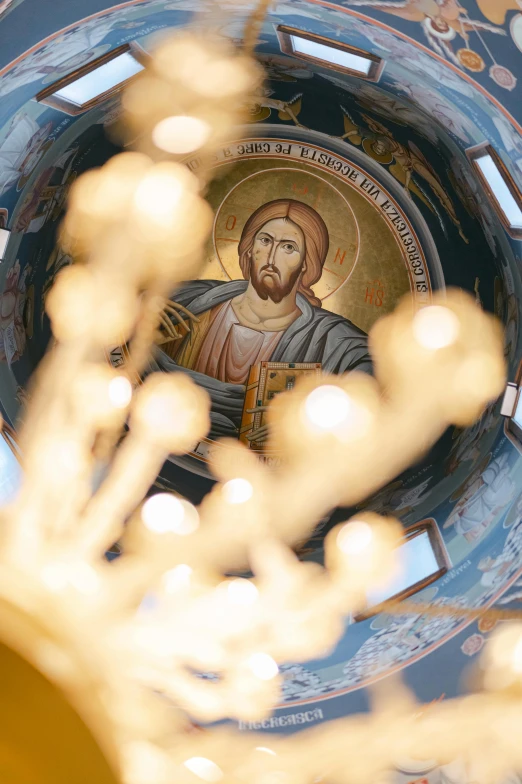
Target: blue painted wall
x,y
425,106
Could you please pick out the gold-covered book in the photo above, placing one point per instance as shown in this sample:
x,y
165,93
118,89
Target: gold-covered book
x,y
265,381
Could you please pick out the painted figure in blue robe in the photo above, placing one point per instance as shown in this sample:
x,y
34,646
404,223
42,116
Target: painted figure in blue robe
x,y
272,315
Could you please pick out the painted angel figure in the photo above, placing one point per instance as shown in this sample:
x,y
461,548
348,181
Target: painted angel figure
x,y
260,108
442,21
406,162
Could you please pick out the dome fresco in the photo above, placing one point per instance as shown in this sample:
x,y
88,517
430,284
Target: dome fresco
x,y
359,155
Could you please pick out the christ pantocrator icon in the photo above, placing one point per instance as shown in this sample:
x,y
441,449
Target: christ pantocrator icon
x,y
271,315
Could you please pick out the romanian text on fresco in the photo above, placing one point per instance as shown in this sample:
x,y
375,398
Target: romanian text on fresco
x,y
344,170
287,720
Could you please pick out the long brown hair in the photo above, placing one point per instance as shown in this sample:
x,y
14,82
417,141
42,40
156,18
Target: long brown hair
x,y
315,233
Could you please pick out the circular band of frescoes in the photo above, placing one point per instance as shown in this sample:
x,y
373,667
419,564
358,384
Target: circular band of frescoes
x,y
398,642
440,27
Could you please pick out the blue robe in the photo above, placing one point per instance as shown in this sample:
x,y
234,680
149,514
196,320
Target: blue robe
x,y
315,336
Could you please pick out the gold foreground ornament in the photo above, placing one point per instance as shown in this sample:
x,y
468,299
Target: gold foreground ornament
x,y
125,641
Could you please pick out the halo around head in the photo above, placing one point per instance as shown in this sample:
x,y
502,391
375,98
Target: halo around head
x,y
288,183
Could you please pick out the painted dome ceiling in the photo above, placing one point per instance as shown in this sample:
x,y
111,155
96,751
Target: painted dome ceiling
x,y
385,166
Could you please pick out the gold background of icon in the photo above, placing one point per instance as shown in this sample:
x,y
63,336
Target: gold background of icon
x,y
365,273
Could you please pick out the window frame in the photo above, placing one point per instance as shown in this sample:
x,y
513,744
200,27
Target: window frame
x,y
481,151
48,95
4,232
516,430
511,430
441,554
285,33
11,438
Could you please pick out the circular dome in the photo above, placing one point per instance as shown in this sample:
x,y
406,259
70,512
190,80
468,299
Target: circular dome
x,y
384,166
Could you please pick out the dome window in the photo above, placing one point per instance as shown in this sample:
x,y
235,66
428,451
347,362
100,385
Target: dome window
x,y
512,410
422,559
330,54
500,186
95,82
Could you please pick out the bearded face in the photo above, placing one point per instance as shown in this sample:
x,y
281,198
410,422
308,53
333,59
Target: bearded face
x,y
277,259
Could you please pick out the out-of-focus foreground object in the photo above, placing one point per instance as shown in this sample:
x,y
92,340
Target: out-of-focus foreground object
x,y
127,642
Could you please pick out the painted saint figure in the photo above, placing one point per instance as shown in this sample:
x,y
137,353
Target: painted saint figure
x,y
483,500
270,315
